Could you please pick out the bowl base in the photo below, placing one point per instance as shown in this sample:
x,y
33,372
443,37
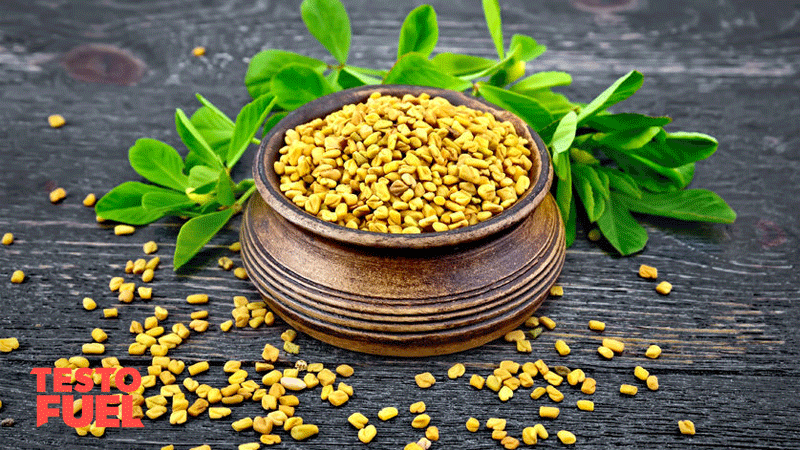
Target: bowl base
x,y
403,302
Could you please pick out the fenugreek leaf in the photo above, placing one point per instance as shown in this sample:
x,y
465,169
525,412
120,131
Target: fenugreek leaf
x,y
224,189
248,121
591,189
564,199
564,134
327,21
194,141
159,163
541,80
416,70
609,123
196,233
528,109
273,120
491,10
215,130
124,204
221,115
459,65
419,32
678,149
621,182
697,205
623,88
556,104
627,140
350,78
650,175
170,202
202,175
295,85
265,64
619,227
571,224
525,48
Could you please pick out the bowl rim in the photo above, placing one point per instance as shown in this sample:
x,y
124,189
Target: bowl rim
x,y
267,181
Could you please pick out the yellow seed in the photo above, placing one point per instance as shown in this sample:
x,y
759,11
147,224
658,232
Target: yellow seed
x,y
110,313
226,326
641,373
198,51
338,398
473,425
648,272
538,392
242,424
89,304
652,383
596,325
505,393
344,370
589,385
270,353
57,195
653,351
562,348
605,352
477,381
514,336
566,437
576,376
432,433
293,384
556,291
56,120
8,344
17,277
96,431
550,412
664,288
413,446
585,405
509,443
218,412
240,273
553,378
494,423
249,446
225,262
153,263
686,427
235,247
554,394
195,299
417,408
614,345
425,380
270,439
262,425
145,293
628,389
150,247
529,436
421,421
291,347
89,200
147,275
541,431
367,434
99,335
304,431
8,239
547,322
456,371
177,417
358,420
387,413
524,346
121,230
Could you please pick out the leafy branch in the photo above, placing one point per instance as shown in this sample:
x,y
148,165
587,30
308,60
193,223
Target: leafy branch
x,y
611,164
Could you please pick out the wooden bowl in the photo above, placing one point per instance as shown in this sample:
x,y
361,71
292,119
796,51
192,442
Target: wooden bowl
x,y
399,294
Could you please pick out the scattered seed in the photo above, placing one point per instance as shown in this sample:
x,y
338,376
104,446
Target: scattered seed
x,y
17,277
367,434
110,313
686,427
562,348
417,408
57,195
150,247
8,344
358,420
304,431
477,381
596,325
89,200
473,425
648,272
456,371
8,239
556,291
240,273
653,352
585,405
513,336
425,380
550,412
664,288
566,437
235,247
198,51
628,389
344,370
387,413
614,345
529,436
196,299
547,322
120,230
652,383
641,373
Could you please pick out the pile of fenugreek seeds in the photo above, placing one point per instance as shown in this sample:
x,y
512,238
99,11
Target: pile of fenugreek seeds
x,y
404,165
180,397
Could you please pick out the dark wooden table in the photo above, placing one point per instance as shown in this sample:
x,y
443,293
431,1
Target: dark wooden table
x,y
728,330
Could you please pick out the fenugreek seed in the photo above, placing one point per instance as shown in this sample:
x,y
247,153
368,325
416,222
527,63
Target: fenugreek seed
x,y
99,335
664,288
596,325
226,326
456,371
589,385
547,322
686,427
198,51
292,422
89,304
652,383
120,230
95,430
417,408
421,421
477,381
304,431
653,352
553,378
473,424
338,398
125,296
605,352
235,247
152,263
262,425
495,423
270,439
541,431
367,434
202,314
150,247
561,370
242,424
145,293
9,344
177,417
110,313
536,332
232,366
218,412
628,389
524,346
291,347
505,393
641,373
358,420
387,413
344,370
513,336
538,392
585,405
17,277
57,195
432,433
562,348
199,325
249,446
147,275
176,366
566,437
509,443
425,380
648,272
240,273
196,299
225,262
550,412
529,436
190,384
556,291
8,239
614,345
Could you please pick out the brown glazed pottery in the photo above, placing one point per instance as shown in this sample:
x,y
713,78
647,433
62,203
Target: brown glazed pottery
x,y
400,294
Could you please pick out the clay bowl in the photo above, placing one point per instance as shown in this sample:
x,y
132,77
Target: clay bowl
x,y
402,295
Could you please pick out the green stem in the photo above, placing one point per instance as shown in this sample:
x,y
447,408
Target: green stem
x,y
245,196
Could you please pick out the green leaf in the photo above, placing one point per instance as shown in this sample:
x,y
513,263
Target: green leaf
x,y
159,163
650,175
225,188
623,88
459,65
626,140
327,21
525,48
194,141
273,120
564,186
124,204
219,114
214,129
678,149
419,32
295,85
564,134
591,189
609,123
621,182
698,205
541,80
350,78
248,121
202,175
526,108
196,233
416,70
169,202
557,104
491,10
265,64
570,226
619,227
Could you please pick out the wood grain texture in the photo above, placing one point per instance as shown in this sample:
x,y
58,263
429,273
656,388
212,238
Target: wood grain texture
x,y
728,329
